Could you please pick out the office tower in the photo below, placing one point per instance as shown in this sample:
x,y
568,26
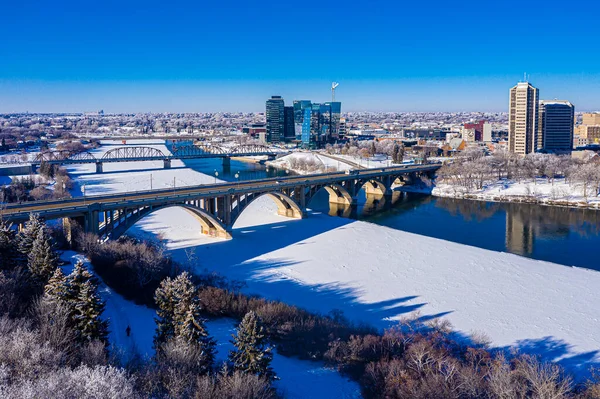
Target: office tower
x,y
289,132
522,119
275,119
336,113
300,107
556,119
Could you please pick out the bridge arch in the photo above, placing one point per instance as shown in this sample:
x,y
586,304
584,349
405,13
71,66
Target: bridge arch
x,y
286,206
373,187
338,194
210,225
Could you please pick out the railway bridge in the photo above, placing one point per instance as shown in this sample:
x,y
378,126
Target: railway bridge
x,y
146,153
216,206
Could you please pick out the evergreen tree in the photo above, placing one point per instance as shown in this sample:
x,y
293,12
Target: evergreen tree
x,y
173,298
193,331
373,149
252,353
88,312
57,287
3,147
42,260
29,234
75,281
9,251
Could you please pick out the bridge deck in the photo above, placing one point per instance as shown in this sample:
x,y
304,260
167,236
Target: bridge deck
x,y
80,205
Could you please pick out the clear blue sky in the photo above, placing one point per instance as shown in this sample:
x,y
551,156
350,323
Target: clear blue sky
x,y
188,56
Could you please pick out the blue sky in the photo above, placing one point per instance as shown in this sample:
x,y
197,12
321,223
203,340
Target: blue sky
x,y
197,56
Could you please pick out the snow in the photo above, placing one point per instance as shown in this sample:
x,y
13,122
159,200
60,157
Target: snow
x,y
297,378
378,275
308,162
506,190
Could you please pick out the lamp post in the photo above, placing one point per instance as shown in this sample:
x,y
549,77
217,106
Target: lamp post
x,y
237,176
216,175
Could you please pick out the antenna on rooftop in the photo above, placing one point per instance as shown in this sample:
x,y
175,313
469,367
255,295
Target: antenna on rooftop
x,y
524,76
333,86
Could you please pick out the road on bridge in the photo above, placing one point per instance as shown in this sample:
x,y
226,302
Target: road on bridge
x,y
57,208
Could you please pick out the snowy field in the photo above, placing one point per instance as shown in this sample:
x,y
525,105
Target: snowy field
x,y
377,275
541,191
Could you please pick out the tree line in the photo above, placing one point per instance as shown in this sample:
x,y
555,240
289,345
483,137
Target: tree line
x,y
472,170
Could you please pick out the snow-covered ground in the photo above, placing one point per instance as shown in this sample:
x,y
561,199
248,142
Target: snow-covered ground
x,y
539,190
297,378
309,162
377,275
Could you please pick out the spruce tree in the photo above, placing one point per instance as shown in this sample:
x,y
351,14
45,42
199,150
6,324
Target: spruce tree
x,y
29,234
9,252
57,287
173,298
42,259
76,280
88,312
193,332
252,353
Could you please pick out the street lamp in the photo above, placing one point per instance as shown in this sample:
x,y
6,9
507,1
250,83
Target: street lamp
x,y
237,176
216,175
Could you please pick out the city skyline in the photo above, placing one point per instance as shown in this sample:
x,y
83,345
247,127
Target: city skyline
x,y
144,57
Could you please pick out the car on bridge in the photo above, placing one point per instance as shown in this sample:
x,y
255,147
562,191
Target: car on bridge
x,y
351,172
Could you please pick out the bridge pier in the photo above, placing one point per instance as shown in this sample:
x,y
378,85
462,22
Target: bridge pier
x,y
167,163
98,167
226,162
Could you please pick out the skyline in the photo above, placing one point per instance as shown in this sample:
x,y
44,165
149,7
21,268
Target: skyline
x,y
232,56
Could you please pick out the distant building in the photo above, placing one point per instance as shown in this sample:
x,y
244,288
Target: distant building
x,y
316,124
289,132
589,128
255,129
275,119
470,134
591,118
342,130
555,126
523,119
426,133
482,130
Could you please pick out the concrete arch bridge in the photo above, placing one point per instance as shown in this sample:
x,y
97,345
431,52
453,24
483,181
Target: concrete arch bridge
x,y
218,206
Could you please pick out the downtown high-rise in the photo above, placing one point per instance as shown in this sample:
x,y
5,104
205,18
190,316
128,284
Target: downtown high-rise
x,y
555,126
523,132
275,115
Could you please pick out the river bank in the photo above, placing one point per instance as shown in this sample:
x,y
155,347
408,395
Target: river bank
x,y
540,192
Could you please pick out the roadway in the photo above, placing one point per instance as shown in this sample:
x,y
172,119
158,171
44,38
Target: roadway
x,y
81,205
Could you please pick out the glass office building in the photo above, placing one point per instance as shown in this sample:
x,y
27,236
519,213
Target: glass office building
x,y
316,124
275,119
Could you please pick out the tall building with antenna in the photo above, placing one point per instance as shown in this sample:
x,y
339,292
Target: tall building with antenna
x,y
523,119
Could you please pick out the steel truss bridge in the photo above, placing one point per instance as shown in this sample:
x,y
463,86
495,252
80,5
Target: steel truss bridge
x,y
216,206
145,153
